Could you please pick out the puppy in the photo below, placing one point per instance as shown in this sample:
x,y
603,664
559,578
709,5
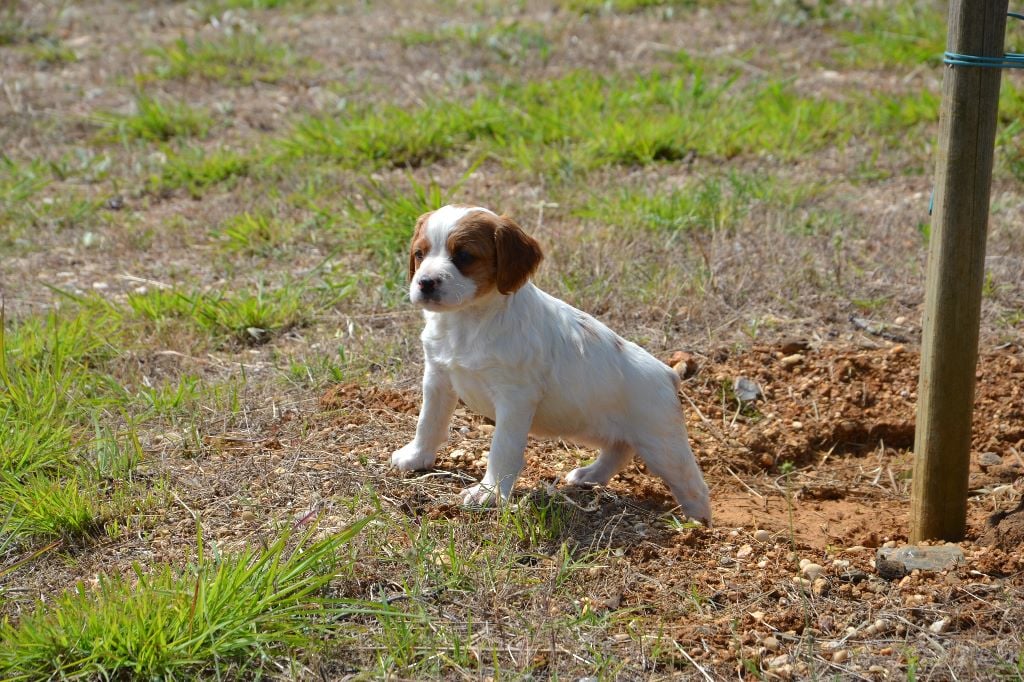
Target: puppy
x,y
533,364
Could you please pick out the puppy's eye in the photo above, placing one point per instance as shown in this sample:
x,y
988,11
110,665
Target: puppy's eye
x,y
418,255
462,258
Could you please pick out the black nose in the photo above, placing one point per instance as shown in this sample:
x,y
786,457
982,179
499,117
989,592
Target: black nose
x,y
427,284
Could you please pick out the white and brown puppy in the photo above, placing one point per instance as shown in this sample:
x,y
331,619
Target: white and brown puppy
x,y
533,364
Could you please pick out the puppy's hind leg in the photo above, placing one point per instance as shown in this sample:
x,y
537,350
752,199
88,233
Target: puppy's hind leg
x,y
611,460
671,458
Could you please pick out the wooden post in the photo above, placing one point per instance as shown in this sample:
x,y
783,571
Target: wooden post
x,y
956,265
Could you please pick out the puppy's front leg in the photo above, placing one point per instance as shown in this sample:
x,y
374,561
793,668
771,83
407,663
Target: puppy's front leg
x,y
432,428
511,426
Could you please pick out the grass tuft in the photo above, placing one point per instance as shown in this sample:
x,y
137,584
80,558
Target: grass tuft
x,y
154,120
242,610
196,170
238,59
249,318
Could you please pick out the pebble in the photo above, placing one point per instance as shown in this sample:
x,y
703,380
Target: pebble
x,y
840,656
778,661
792,360
989,459
819,587
939,626
458,454
770,643
797,425
744,551
485,428
877,669
762,535
757,615
811,570
248,516
898,349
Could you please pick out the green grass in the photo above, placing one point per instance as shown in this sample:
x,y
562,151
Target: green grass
x,y
628,6
256,234
53,396
511,41
581,122
248,318
717,202
240,59
51,52
196,170
240,613
907,35
157,121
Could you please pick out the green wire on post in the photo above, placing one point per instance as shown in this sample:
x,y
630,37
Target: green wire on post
x,y
1011,60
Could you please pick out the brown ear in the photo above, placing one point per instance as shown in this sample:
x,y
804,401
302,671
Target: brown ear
x,y
518,255
417,234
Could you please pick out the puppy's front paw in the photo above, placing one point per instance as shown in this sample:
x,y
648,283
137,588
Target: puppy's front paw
x,y
480,496
587,476
412,458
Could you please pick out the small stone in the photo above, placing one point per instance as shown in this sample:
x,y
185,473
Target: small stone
x,y
746,390
485,428
762,535
877,669
939,626
248,516
989,459
757,615
820,587
771,644
458,454
744,551
792,346
779,661
811,570
915,600
898,349
893,563
792,360
803,562
885,651
797,425
840,656
683,363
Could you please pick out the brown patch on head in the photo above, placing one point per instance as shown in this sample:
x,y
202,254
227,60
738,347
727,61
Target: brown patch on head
x,y
471,246
518,255
493,251
420,244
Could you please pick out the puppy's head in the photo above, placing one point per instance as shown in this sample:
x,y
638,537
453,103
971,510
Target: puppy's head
x,y
460,254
